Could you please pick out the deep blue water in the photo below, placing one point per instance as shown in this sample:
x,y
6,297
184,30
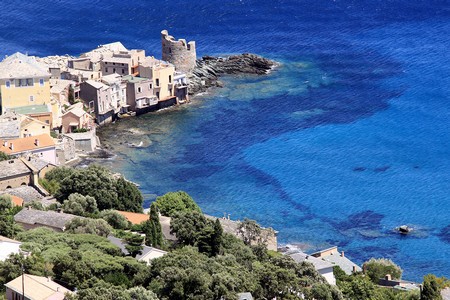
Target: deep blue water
x,y
347,139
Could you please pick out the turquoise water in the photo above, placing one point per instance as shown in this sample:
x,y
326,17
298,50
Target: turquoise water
x,y
346,140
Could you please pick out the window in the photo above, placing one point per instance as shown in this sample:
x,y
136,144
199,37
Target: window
x,y
139,89
157,82
123,71
123,64
8,84
114,64
114,70
157,95
43,127
170,78
150,86
24,82
106,70
41,82
31,98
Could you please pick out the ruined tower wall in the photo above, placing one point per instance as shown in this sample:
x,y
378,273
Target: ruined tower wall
x,y
179,53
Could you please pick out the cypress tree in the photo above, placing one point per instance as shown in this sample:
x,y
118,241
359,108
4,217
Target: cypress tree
x,y
152,228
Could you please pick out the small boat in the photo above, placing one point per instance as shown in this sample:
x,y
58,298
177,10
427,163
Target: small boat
x,y
133,145
126,115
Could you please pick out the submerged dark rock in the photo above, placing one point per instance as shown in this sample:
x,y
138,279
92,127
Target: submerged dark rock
x,y
208,69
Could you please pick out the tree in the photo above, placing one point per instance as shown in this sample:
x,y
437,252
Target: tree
x,y
80,205
140,293
116,220
357,287
130,198
94,181
174,202
4,156
99,183
152,229
188,226
134,244
378,268
187,274
91,226
58,174
8,227
431,289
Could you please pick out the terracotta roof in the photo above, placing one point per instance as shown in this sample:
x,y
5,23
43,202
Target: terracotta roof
x,y
27,144
16,201
134,218
38,287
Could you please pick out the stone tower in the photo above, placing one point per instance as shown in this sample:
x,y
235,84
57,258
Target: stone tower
x,y
181,54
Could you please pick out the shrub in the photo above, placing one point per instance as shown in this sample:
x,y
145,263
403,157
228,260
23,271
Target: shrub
x,y
378,268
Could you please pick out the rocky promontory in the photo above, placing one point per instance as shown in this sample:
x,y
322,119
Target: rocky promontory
x,y
208,69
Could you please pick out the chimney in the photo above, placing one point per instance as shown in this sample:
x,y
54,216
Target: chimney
x,y
11,146
342,254
388,277
36,142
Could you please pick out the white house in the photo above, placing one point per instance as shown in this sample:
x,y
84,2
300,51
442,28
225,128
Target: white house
x,y
7,247
324,267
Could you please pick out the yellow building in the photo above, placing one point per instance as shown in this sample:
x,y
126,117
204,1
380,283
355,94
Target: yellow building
x,y
23,82
32,127
162,74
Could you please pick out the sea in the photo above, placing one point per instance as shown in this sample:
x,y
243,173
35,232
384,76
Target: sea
x,y
347,139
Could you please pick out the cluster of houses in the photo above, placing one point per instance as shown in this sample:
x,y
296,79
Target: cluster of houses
x,y
62,96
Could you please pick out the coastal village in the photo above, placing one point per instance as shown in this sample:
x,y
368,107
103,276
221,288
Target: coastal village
x,y
50,109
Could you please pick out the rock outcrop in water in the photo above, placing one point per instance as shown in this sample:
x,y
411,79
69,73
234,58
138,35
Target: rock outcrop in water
x,y
208,69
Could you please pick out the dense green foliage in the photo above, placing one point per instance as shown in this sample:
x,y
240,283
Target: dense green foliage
x,y
130,198
431,289
97,182
358,286
116,220
4,156
108,292
80,205
134,244
8,226
91,226
83,260
152,229
378,268
193,229
174,202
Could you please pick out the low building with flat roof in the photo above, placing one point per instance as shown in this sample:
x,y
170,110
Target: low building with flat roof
x,y
35,288
8,246
333,256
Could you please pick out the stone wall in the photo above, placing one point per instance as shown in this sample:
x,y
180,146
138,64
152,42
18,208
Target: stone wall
x,y
178,52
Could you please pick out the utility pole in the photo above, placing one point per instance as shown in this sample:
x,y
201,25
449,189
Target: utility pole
x,y
23,282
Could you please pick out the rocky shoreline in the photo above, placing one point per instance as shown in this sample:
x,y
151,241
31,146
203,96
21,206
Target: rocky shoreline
x,y
209,69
